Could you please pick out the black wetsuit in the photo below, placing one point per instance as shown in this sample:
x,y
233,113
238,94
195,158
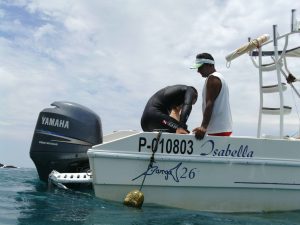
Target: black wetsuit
x,y
157,111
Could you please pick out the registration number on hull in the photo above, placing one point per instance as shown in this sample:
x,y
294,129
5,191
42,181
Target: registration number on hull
x,y
170,146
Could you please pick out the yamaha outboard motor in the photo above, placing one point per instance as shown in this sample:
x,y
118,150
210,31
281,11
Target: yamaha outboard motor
x,y
62,136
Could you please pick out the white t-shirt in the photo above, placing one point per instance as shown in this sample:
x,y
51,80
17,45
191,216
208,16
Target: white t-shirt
x,y
221,119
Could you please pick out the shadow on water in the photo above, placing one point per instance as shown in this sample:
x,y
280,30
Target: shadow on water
x,y
33,204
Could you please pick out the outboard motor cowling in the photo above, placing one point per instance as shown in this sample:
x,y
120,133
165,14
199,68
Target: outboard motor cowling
x,y
62,136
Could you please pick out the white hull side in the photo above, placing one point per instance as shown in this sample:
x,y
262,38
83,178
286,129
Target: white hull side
x,y
209,199
260,181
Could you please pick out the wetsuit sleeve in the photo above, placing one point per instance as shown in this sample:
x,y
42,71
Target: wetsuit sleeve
x,y
190,96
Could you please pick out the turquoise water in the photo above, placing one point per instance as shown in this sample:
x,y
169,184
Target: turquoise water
x,y
25,200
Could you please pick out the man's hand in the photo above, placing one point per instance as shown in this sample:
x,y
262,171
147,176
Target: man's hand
x,y
290,79
180,130
199,132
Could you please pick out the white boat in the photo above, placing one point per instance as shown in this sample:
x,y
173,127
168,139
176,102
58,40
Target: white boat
x,y
220,174
228,174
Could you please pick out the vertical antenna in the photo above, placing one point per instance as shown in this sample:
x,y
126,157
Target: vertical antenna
x,y
293,28
249,39
275,35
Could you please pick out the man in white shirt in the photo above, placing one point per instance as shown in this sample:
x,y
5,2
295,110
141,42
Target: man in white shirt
x,y
217,118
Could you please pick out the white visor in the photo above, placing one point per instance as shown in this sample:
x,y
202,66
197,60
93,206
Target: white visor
x,y
200,62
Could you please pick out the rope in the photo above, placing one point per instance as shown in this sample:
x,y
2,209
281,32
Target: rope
x,y
228,63
151,158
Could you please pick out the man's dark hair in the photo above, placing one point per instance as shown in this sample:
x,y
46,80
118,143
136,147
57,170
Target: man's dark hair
x,y
195,95
205,56
195,90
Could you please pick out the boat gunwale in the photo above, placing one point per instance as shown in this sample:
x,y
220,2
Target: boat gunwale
x,y
193,158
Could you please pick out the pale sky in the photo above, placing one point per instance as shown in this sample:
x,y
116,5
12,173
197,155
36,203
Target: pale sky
x,y
112,55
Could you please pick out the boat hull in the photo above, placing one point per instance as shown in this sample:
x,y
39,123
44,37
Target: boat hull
x,y
207,199
250,178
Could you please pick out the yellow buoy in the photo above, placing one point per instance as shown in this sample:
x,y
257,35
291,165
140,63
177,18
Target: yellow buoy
x,y
134,198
